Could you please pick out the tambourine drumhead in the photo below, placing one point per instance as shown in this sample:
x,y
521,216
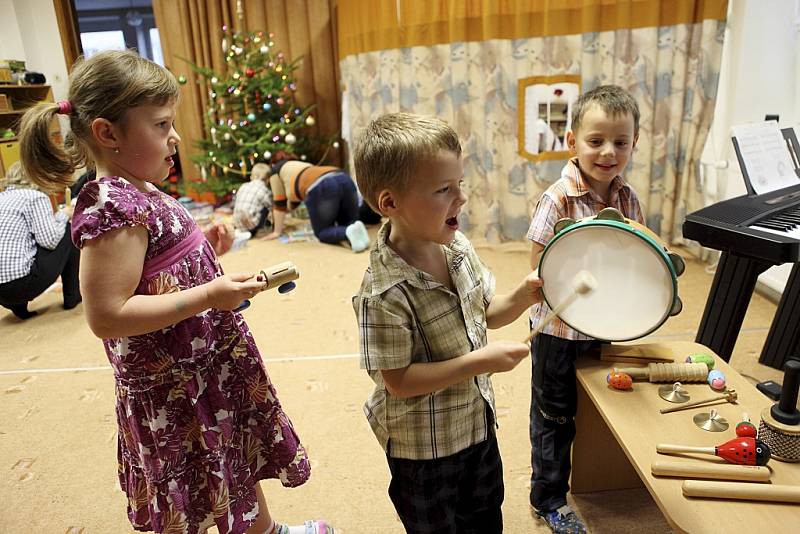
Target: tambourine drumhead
x,y
636,285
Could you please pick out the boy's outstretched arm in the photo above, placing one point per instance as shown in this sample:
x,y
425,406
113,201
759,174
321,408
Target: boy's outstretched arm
x,y
505,308
424,378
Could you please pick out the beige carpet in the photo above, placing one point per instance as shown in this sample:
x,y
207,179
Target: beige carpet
x,y
58,433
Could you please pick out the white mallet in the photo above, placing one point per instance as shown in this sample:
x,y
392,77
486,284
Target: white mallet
x,y
582,283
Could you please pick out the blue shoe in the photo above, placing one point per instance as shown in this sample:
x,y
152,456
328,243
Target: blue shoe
x,y
563,521
358,236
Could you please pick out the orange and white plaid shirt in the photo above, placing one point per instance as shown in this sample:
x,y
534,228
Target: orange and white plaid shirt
x,y
572,197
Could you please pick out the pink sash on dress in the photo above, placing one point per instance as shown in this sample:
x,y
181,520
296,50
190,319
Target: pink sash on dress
x,y
157,263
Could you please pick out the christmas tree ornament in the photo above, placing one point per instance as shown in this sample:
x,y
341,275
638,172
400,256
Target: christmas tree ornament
x,y
266,106
182,79
303,157
282,131
264,49
279,101
236,75
335,144
214,80
290,138
310,121
249,72
251,117
267,155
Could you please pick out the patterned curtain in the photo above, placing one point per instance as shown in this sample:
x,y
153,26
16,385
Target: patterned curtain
x,y
462,61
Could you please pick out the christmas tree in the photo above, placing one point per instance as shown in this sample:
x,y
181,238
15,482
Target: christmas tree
x,y
252,115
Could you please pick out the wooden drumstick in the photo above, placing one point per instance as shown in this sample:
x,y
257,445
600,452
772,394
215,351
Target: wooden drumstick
x,y
741,490
730,396
751,473
582,283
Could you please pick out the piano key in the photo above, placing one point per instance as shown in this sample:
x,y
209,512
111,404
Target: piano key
x,y
774,225
794,233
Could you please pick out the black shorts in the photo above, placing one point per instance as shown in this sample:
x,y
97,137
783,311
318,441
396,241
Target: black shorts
x,y
458,494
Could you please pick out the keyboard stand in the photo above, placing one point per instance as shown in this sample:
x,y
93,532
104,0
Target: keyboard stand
x,y
783,340
727,302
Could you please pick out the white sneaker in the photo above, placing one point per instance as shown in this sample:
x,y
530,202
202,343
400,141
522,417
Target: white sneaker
x,y
358,236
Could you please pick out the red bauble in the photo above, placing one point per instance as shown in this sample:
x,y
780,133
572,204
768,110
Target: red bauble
x,y
249,72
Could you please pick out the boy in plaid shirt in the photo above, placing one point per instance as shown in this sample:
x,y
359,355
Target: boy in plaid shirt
x,y
253,201
605,128
423,309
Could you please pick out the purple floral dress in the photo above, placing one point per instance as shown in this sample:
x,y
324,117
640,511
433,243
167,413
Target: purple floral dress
x,y
199,420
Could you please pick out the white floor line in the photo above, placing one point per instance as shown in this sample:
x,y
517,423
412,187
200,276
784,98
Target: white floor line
x,y
284,359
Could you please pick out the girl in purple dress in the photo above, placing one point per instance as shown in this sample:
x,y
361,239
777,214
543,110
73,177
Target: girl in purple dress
x,y
199,420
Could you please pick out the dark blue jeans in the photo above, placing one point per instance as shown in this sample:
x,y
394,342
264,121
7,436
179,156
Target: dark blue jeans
x,y
554,402
332,206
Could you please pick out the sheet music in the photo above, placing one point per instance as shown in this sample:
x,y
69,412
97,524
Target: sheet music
x,y
766,156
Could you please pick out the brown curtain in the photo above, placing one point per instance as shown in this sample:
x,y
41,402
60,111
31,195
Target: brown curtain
x,y
192,30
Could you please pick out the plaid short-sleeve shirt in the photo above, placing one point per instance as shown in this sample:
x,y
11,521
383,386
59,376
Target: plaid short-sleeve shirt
x,y
572,197
404,317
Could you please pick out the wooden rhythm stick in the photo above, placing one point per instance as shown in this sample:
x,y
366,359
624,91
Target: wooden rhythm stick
x,y
751,473
741,490
582,283
668,372
730,396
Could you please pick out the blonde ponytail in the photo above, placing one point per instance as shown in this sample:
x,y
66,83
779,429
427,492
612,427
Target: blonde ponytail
x,y
105,85
45,163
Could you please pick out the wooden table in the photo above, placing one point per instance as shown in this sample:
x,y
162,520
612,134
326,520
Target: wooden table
x,y
616,444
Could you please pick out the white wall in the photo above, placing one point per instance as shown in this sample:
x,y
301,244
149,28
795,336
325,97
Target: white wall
x,y
760,75
29,31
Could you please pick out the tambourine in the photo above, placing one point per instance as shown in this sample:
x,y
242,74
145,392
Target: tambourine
x,y
637,277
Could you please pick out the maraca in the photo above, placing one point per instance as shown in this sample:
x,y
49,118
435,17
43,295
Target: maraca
x,y
744,451
716,379
621,381
746,429
701,357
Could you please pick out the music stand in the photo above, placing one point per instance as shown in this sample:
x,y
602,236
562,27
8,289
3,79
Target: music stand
x,y
792,145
